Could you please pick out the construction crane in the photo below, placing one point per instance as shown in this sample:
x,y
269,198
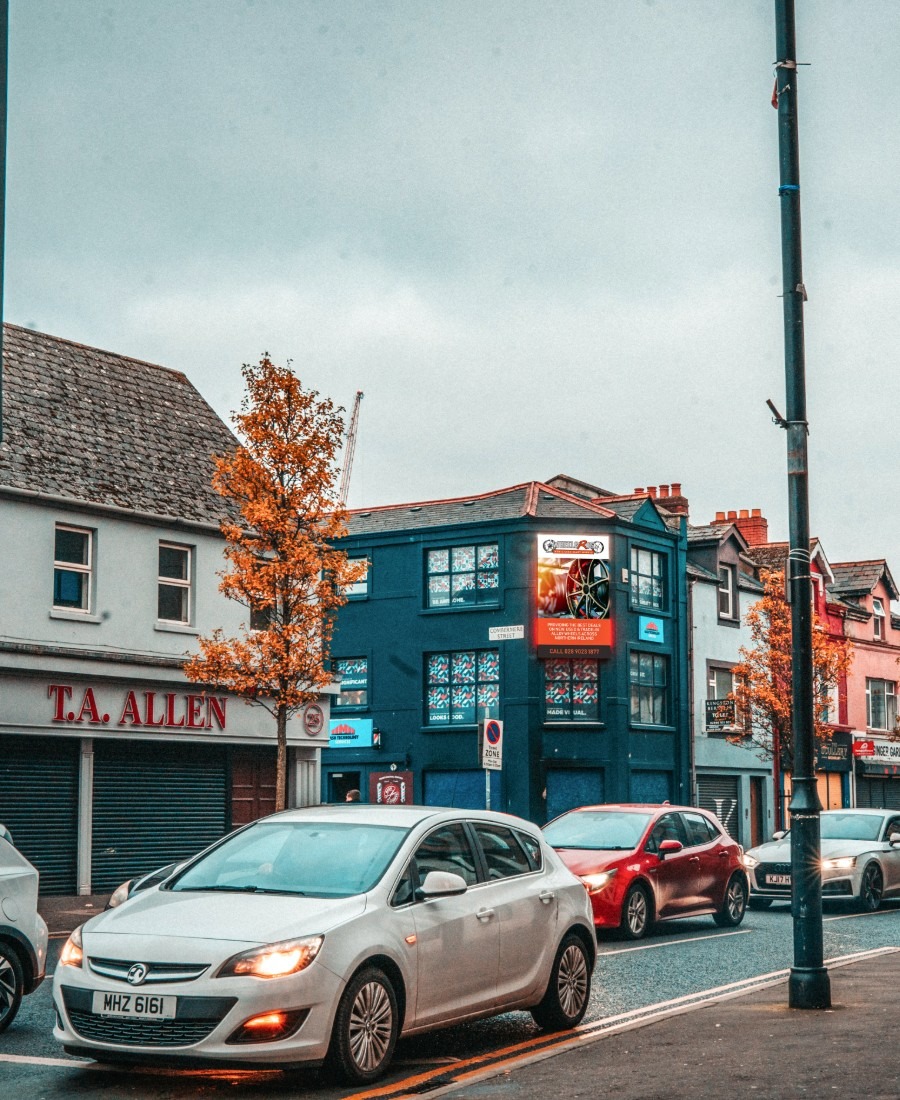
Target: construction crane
x,y
349,447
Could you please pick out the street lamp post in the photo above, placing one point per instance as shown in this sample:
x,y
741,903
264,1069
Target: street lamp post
x,y
809,985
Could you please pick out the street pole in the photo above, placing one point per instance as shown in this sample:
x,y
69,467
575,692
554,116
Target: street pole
x,y
809,985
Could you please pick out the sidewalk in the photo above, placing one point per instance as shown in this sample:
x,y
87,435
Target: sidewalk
x,y
64,914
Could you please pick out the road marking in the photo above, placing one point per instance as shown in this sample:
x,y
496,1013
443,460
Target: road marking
x,y
33,1060
674,943
853,916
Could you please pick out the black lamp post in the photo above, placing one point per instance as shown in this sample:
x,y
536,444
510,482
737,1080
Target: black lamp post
x,y
809,985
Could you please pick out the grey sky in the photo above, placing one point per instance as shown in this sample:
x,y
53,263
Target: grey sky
x,y
542,237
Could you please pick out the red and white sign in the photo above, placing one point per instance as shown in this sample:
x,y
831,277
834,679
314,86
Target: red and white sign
x,y
313,720
863,748
131,708
391,788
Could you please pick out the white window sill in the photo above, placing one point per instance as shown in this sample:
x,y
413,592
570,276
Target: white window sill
x,y
74,616
175,628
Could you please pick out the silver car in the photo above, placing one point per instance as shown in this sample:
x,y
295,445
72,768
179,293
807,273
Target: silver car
x,y
23,933
860,853
323,934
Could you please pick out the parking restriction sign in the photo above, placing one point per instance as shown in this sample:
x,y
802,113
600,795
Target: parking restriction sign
x,y
491,744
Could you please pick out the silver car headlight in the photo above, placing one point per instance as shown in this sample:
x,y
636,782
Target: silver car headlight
x,y
273,960
73,952
843,863
749,861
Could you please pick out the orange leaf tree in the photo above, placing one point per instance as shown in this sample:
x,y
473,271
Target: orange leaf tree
x,y
763,677
279,547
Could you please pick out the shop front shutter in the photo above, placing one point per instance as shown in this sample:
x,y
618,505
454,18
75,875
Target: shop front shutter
x,y
878,793
154,803
39,805
461,789
571,787
719,795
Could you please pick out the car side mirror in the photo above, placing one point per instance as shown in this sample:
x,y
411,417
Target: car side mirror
x,y
442,884
669,848
894,838
778,835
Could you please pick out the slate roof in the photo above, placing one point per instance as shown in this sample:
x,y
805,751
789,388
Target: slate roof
x,y
858,578
99,428
711,532
532,498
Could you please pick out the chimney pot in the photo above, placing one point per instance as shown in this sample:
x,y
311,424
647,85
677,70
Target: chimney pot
x,y
676,488
732,515
651,492
638,489
663,491
720,517
756,513
743,514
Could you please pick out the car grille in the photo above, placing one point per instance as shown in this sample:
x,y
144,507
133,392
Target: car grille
x,y
197,1017
117,969
765,869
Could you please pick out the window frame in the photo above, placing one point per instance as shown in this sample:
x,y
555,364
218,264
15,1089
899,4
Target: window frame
x,y
878,619
658,690
571,718
713,670
337,705
85,570
493,597
657,557
358,590
729,591
430,683
889,702
185,584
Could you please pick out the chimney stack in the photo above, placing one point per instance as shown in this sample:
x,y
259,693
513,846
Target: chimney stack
x,y
671,499
752,525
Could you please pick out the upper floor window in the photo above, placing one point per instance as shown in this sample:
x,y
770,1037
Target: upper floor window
x,y
721,712
174,584
72,568
463,576
649,681
354,676
727,592
828,703
878,619
571,690
881,704
358,589
462,688
647,578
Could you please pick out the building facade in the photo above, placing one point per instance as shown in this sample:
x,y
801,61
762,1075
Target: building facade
x,y
112,763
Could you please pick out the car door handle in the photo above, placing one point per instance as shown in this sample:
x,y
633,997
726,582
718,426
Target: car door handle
x,y
484,914
694,859
723,855
547,896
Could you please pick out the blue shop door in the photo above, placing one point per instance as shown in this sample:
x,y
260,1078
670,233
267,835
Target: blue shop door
x,y
571,787
463,790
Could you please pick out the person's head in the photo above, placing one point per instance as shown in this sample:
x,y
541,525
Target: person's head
x,y
352,796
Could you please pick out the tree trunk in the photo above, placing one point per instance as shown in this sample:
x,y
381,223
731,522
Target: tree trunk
x,y
281,759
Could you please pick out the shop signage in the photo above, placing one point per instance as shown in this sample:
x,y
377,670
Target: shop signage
x,y
651,630
505,633
721,715
885,755
863,748
573,596
351,733
103,706
391,788
313,720
833,755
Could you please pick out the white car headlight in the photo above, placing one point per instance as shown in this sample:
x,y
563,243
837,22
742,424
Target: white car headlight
x,y
749,861
598,880
842,862
274,960
72,954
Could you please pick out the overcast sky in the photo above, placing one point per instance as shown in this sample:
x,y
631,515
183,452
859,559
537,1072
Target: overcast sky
x,y
542,236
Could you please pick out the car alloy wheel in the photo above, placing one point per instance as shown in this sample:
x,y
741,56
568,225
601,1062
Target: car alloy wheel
x,y
871,889
365,1028
12,984
566,1000
636,913
732,912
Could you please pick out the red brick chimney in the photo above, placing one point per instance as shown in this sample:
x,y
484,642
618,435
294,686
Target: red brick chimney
x,y
752,525
671,499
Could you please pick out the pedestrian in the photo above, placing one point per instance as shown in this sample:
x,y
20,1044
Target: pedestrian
x,y
352,796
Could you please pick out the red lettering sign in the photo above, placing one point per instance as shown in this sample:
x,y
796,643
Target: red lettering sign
x,y
169,711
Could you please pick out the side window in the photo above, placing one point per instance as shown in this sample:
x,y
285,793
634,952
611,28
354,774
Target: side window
x,y
699,830
173,604
354,676
404,891
533,850
669,827
893,826
446,849
503,854
72,568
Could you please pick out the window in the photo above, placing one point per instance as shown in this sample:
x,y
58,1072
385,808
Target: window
x,y
358,590
700,830
670,827
727,606
828,700
462,688
649,675
571,691
174,580
503,854
72,567
463,576
354,677
721,712
881,704
878,619
647,578
447,849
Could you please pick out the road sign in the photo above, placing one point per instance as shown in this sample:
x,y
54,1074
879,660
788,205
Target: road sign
x,y
491,736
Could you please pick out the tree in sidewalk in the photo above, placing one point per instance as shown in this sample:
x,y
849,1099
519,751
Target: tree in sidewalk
x,y
763,677
282,565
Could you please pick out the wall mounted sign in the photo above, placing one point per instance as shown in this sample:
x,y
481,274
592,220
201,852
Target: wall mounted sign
x,y
573,596
651,629
350,733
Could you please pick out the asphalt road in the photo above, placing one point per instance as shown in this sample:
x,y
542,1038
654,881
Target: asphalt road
x,y
683,961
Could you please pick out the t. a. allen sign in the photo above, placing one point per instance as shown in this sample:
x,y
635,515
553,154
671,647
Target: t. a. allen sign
x,y
170,710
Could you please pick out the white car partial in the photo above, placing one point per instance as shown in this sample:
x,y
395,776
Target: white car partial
x,y
860,858
23,932
321,935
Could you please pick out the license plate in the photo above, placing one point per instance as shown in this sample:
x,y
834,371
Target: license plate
x,y
778,880
143,1005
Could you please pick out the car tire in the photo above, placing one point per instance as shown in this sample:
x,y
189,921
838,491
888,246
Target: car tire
x,y
871,889
758,903
734,904
564,1004
365,1030
12,985
637,915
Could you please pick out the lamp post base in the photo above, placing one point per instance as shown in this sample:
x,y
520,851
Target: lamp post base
x,y
809,987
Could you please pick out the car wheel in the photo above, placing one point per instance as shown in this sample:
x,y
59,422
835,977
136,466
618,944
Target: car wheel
x,y
733,907
871,888
365,1028
566,1000
758,903
12,985
636,918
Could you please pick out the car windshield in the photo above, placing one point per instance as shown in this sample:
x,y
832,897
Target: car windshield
x,y
847,826
333,859
597,830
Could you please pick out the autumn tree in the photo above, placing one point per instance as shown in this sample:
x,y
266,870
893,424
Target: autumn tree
x,y
279,548
763,677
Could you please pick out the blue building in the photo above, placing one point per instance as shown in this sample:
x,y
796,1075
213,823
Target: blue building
x,y
557,608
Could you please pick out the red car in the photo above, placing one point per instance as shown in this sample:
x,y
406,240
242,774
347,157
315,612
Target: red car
x,y
643,864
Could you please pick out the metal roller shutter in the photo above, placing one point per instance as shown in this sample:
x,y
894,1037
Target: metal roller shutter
x,y
154,803
877,793
719,795
39,805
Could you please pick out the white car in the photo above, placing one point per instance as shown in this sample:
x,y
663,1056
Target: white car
x,y
860,852
23,932
323,934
